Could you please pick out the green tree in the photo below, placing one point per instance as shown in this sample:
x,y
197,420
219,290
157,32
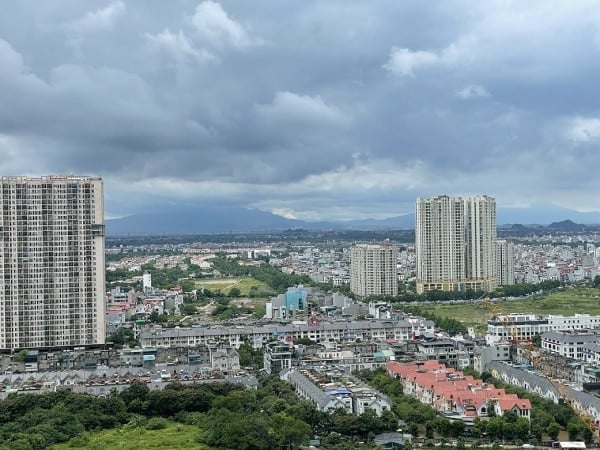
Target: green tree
x,y
521,429
574,429
188,285
189,309
495,428
553,430
287,430
124,336
21,356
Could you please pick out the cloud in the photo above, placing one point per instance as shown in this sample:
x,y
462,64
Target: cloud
x,y
403,61
183,103
13,69
99,19
213,25
178,46
297,109
472,91
284,212
583,129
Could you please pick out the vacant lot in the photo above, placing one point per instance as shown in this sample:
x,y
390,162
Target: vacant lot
x,y
567,302
174,436
245,285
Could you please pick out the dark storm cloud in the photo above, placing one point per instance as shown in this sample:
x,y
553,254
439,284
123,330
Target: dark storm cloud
x,y
310,109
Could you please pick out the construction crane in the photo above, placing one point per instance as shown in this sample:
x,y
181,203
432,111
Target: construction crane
x,y
538,359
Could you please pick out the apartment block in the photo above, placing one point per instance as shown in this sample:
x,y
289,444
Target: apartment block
x,y
373,269
505,262
455,242
51,262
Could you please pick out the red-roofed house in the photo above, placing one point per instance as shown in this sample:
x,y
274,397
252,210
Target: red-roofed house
x,y
520,406
448,390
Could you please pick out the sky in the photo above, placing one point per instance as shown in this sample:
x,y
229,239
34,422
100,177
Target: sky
x,y
311,110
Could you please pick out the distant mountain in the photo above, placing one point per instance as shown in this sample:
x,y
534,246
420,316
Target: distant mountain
x,y
201,221
544,214
209,220
566,225
406,221
237,220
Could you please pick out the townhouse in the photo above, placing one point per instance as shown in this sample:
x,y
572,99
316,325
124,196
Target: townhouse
x,y
450,391
569,343
526,326
388,330
350,395
583,403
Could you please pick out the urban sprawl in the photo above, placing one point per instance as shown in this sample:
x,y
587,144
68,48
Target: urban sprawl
x,y
92,313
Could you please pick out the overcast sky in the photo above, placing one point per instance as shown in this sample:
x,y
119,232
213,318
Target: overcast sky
x,y
313,110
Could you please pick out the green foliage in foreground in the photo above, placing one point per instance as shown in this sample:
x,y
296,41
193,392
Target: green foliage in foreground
x,y
221,416
135,435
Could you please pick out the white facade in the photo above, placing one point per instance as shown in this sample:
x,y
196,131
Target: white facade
x,y
146,282
569,344
505,262
52,262
373,269
530,325
381,331
455,243
440,239
481,237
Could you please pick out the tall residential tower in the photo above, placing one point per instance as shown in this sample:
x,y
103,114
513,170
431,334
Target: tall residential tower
x,y
505,262
440,242
455,240
373,269
51,262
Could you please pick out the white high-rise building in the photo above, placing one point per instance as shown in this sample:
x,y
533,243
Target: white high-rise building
x,y
505,262
481,237
52,284
455,241
146,282
440,241
373,269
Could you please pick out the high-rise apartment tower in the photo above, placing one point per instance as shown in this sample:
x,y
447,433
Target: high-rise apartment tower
x,y
51,262
505,262
373,269
440,241
455,240
480,229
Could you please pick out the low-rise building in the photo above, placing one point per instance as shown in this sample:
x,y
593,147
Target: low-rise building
x,y
450,391
568,343
352,396
342,332
277,357
519,326
224,360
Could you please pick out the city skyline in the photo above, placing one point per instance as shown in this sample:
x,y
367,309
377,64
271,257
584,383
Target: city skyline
x,y
308,110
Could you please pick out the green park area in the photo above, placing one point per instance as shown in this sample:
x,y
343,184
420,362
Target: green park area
x,y
167,435
566,302
247,286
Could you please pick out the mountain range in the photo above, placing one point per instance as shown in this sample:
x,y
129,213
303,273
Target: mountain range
x,y
208,220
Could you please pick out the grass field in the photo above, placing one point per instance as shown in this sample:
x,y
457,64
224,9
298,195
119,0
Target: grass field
x,y
174,436
243,284
567,302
